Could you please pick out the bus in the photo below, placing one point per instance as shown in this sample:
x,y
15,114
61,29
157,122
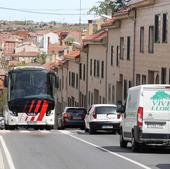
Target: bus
x,y
30,97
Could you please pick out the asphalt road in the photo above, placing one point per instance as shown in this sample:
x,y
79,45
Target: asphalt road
x,y
75,149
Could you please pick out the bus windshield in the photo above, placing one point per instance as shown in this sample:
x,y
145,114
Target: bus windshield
x,y
30,84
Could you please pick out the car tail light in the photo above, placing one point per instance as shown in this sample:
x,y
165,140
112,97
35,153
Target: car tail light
x,y
67,115
94,115
140,116
118,116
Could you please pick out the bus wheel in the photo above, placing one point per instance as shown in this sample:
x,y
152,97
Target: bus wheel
x,y
49,127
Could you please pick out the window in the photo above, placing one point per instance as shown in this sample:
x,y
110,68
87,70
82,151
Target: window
x,y
73,80
151,40
109,92
157,28
163,76
130,84
113,94
125,89
165,28
69,78
102,69
117,56
80,70
84,72
142,39
111,56
77,81
94,69
128,48
91,67
98,68
137,79
89,97
121,48
143,79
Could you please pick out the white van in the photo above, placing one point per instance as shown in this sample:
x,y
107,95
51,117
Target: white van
x,y
146,119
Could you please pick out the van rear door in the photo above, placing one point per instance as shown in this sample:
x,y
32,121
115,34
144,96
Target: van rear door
x,y
156,110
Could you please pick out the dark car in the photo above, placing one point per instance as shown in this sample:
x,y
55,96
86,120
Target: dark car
x,y
72,117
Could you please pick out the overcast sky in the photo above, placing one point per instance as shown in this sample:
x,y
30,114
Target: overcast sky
x,y
53,6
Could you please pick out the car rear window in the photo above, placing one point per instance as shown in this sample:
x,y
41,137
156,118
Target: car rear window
x,y
72,110
105,110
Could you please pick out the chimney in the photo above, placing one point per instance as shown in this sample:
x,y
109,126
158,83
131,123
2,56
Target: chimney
x,y
90,27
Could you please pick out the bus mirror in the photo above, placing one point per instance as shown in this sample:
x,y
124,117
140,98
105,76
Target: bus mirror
x,y
6,81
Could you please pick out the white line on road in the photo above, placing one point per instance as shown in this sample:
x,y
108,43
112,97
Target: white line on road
x,y
1,161
110,152
7,154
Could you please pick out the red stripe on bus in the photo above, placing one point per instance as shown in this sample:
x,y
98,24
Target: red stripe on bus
x,y
37,106
43,111
32,104
26,118
32,118
25,106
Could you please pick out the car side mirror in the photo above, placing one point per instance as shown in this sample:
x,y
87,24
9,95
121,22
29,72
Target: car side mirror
x,y
6,81
121,109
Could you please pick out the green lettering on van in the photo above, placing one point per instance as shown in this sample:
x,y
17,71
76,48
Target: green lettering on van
x,y
161,101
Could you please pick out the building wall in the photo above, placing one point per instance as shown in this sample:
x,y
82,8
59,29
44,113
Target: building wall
x,y
26,48
83,78
95,83
146,61
73,91
119,67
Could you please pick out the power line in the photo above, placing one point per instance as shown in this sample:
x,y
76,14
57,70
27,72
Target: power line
x,y
38,12
57,9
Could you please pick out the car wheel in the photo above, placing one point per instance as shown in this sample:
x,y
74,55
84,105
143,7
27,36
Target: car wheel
x,y
123,143
135,145
92,130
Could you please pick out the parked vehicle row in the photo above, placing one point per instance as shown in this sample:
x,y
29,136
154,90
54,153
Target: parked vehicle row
x,y
98,117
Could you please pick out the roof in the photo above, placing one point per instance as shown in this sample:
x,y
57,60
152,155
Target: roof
x,y
96,37
51,65
73,54
55,48
109,22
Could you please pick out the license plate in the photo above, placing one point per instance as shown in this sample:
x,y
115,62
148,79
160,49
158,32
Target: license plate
x,y
107,127
31,122
77,118
158,126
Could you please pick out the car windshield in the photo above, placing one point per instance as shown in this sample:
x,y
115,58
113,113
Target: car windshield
x,y
30,84
105,110
75,111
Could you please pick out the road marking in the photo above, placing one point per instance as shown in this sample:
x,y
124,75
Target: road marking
x,y
105,150
1,161
24,131
7,154
44,131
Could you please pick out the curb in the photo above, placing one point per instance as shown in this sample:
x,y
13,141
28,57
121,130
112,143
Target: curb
x,y
1,161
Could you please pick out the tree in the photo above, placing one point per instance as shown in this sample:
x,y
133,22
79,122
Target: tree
x,y
104,6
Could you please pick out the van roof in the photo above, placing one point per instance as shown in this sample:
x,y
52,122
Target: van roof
x,y
150,86
97,105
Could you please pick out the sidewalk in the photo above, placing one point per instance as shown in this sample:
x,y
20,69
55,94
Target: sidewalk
x,y
1,161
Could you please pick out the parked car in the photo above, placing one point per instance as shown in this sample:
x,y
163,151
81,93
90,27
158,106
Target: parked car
x,y
72,117
146,118
102,117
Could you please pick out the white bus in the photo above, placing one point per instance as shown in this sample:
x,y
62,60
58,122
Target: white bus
x,y
30,97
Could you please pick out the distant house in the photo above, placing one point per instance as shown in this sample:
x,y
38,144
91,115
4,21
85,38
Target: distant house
x,y
44,38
